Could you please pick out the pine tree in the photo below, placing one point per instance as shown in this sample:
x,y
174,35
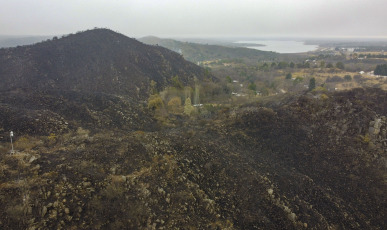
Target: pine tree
x,y
312,83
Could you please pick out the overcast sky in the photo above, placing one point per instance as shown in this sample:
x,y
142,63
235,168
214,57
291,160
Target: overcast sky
x,y
199,18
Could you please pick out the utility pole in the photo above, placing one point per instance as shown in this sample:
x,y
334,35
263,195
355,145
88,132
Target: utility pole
x,y
11,135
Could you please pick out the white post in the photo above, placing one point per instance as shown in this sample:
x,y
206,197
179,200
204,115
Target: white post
x,y
11,134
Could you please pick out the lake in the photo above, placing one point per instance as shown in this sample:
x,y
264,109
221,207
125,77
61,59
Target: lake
x,y
279,46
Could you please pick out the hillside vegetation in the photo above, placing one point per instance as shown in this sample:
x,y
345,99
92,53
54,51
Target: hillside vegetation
x,y
195,52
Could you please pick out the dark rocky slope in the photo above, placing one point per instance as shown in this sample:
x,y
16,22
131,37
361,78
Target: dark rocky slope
x,y
93,79
305,162
37,112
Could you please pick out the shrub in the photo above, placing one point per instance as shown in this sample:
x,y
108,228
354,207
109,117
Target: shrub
x,y
155,102
297,80
174,105
340,65
252,86
83,132
365,139
320,89
357,77
348,78
188,108
334,79
324,96
52,138
28,143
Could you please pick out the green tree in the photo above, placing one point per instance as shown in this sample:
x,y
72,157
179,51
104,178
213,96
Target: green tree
x,y
348,78
288,76
312,83
252,86
381,70
176,82
340,65
282,65
228,79
329,65
291,65
322,64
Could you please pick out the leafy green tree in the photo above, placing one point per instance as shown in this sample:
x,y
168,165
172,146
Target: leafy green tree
x,y
228,79
329,65
291,65
340,65
348,78
288,76
322,64
312,83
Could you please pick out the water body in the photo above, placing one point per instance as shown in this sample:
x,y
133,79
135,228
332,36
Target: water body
x,y
279,46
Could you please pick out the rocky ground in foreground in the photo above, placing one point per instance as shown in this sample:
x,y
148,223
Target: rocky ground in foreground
x,y
315,161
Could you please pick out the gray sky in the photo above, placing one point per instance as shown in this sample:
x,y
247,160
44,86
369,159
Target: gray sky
x,y
136,18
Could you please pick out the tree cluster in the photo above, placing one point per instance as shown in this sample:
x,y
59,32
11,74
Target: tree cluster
x,y
381,70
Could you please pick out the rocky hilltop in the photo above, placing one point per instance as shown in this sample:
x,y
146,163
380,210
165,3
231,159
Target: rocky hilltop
x,y
98,60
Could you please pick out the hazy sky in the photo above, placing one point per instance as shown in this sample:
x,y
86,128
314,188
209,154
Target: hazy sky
x,y
137,18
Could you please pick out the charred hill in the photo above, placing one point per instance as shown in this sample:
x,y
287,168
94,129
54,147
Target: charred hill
x,y
96,78
302,162
98,60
